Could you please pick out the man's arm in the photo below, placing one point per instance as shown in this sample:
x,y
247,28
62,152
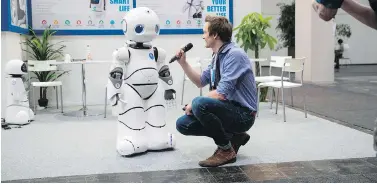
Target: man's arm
x,y
236,64
191,74
362,13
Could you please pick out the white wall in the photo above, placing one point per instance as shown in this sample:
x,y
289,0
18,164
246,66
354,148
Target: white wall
x,y
363,41
10,49
103,46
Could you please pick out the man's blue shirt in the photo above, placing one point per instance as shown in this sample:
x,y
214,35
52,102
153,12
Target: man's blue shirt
x,y
237,81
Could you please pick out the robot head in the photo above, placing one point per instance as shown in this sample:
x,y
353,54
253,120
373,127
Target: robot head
x,y
141,25
16,67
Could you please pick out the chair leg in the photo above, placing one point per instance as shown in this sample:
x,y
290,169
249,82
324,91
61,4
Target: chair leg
x,y
283,103
35,101
183,88
306,114
57,98
258,98
105,102
277,101
292,97
272,97
61,97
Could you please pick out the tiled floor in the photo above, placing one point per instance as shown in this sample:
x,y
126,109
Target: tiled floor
x,y
359,170
51,149
55,145
351,99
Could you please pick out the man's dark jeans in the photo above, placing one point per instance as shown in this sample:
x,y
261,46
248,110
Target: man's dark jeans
x,y
217,119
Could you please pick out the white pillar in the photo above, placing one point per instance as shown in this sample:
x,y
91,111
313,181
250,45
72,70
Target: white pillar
x,y
315,41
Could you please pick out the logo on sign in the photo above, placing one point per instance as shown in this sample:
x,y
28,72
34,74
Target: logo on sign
x,y
167,22
44,22
101,21
67,22
56,22
78,22
112,22
178,22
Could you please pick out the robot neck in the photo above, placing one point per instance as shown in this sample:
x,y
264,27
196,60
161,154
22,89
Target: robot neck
x,y
139,45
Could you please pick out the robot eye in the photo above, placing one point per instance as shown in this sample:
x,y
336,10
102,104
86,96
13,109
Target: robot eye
x,y
157,29
139,28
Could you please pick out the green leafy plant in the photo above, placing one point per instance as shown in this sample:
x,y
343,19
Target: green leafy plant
x,y
286,27
252,35
343,30
41,49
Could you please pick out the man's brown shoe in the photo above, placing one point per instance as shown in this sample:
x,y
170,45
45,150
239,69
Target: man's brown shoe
x,y
220,157
238,140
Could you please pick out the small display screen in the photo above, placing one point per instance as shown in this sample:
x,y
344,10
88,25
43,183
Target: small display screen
x,y
94,1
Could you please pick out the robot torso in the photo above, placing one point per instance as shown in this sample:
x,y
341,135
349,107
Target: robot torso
x,y
141,72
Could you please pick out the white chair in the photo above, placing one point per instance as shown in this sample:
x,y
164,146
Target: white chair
x,y
196,63
290,65
277,62
45,66
345,60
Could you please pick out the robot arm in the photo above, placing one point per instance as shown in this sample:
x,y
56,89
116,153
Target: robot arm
x,y
164,73
121,57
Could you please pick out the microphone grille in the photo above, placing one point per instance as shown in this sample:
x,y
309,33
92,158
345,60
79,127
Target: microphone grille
x,y
188,46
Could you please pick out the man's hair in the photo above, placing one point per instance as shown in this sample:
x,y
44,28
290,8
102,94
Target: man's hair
x,y
340,41
221,26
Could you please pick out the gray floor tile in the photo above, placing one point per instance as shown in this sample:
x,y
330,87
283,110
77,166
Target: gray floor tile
x,y
351,99
372,177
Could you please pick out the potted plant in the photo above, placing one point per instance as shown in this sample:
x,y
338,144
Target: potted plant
x,y
286,27
42,49
343,31
252,35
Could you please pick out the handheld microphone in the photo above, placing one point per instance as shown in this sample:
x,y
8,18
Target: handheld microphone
x,y
185,49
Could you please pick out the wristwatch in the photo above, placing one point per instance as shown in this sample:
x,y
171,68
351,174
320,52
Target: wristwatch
x,y
332,4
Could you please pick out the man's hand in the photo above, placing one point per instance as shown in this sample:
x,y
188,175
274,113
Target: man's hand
x,y
188,109
182,55
215,95
324,13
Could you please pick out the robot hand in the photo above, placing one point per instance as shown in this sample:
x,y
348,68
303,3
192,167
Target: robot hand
x,y
170,94
170,98
118,104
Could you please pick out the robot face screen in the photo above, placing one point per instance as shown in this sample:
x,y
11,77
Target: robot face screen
x,y
24,68
94,1
139,29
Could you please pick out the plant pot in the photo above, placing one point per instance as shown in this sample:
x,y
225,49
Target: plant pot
x,y
291,51
43,102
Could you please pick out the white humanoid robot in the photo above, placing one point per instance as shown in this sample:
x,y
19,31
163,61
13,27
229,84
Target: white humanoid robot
x,y
17,110
136,86
197,6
